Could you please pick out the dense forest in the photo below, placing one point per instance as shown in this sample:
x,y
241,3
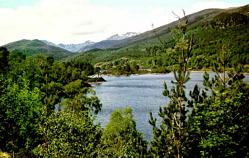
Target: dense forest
x,y
48,108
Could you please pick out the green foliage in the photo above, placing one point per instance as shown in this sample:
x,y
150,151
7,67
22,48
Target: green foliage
x,y
218,124
4,53
20,110
122,66
160,70
120,137
224,20
69,135
30,90
85,101
53,78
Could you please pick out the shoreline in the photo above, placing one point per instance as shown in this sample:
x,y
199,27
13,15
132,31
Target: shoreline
x,y
151,73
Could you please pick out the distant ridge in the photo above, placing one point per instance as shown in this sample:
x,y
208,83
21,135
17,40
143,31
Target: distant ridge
x,y
37,47
75,47
110,42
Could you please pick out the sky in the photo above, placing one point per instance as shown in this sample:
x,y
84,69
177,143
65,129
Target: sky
x,y
76,21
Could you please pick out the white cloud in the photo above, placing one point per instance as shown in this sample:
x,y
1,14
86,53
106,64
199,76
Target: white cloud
x,y
75,21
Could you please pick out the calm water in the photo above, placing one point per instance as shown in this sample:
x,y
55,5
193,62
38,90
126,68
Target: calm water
x,y
141,92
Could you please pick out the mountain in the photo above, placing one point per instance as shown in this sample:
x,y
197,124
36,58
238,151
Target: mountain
x,y
70,47
165,30
105,44
194,20
75,47
210,28
110,42
130,38
36,47
89,45
149,37
50,43
122,36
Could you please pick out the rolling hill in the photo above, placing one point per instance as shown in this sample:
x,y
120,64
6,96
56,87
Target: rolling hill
x,y
37,47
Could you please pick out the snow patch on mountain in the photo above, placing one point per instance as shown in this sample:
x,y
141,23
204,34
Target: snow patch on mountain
x,y
122,36
75,47
70,47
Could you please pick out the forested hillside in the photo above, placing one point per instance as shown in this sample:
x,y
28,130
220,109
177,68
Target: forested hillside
x,y
212,31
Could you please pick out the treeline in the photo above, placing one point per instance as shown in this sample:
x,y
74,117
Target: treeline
x,y
47,109
45,105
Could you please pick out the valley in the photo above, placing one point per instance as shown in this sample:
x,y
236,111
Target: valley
x,y
177,90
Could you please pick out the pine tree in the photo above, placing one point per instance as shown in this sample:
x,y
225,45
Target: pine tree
x,y
218,125
168,138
